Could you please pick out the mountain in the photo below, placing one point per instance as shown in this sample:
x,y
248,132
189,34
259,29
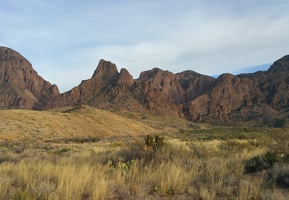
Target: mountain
x,y
20,85
107,88
261,97
155,90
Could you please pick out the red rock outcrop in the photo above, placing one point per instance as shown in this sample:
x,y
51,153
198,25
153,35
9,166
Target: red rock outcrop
x,y
20,85
228,93
194,84
243,97
190,95
107,88
196,97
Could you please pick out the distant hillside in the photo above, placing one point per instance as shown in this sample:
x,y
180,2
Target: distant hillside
x,y
261,97
77,122
84,122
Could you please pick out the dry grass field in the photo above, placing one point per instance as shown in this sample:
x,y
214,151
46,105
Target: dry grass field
x,y
87,153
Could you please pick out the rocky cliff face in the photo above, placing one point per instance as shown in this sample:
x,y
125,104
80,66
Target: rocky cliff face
x,y
107,88
196,97
155,90
228,93
244,97
189,95
20,85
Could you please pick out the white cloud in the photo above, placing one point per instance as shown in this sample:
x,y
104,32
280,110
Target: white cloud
x,y
65,40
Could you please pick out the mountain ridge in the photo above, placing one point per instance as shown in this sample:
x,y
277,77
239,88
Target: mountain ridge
x,y
261,96
20,85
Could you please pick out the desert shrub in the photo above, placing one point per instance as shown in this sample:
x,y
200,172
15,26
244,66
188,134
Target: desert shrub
x,y
151,149
281,175
279,123
274,194
259,163
4,158
278,175
125,166
285,158
134,151
283,179
271,157
156,143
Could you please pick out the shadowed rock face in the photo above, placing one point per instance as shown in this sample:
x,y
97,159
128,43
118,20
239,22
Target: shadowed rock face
x,y
188,94
155,90
244,97
194,84
196,97
107,88
228,93
20,85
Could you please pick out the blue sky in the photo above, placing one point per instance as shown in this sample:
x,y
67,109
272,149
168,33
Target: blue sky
x,y
64,40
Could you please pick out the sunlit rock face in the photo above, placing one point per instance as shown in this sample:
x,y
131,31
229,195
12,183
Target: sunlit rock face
x,y
262,95
20,85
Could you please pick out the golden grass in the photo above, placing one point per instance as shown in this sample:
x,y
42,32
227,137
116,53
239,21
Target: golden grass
x,y
41,159
84,172
83,122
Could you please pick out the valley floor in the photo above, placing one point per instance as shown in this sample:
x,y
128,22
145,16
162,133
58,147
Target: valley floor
x,y
192,162
191,166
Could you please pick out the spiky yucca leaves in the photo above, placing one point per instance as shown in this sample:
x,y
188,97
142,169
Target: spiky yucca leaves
x,y
155,143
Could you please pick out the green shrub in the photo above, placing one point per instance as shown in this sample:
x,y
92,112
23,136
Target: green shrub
x,y
125,166
285,158
271,157
259,163
282,179
134,151
279,175
156,143
147,151
4,158
30,196
170,192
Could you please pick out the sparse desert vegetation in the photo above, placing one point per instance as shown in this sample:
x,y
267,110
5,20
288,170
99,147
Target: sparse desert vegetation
x,y
41,159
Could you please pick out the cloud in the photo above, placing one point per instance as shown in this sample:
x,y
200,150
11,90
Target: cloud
x,y
64,40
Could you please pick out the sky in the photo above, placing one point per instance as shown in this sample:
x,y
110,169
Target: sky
x,y
64,40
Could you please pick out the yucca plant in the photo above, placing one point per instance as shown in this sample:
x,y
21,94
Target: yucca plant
x,y
155,143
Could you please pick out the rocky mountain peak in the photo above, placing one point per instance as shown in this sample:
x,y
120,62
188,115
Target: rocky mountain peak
x,y
225,77
280,65
125,78
20,85
155,73
194,84
7,54
105,70
263,96
190,74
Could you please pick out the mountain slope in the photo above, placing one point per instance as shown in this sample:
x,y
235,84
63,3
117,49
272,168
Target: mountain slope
x,y
260,96
77,122
107,88
245,97
20,85
155,90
